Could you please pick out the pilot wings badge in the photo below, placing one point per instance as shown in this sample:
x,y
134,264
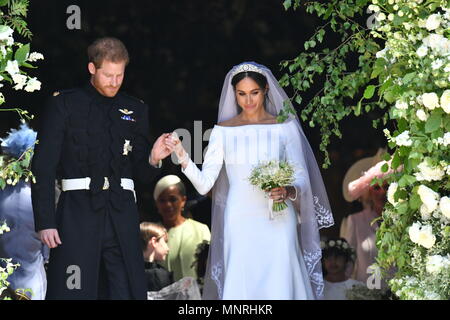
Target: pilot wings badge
x,y
126,111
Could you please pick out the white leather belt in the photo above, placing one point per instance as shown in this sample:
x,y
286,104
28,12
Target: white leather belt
x,y
83,184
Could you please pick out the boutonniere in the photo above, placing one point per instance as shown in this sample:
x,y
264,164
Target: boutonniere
x,y
127,147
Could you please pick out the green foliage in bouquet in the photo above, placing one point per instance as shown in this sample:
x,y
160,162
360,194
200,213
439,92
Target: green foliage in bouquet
x,y
273,174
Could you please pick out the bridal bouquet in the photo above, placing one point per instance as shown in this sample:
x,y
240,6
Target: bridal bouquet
x,y
273,174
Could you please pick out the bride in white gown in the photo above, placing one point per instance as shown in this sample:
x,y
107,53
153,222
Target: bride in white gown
x,y
254,254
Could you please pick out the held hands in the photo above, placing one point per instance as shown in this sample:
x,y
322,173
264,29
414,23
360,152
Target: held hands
x,y
160,150
173,143
50,237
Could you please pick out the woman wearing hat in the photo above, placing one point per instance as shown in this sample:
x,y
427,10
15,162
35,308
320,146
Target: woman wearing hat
x,y
184,234
358,228
22,243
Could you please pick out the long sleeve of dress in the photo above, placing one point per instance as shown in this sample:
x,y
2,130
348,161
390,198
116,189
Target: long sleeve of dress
x,y
293,156
203,180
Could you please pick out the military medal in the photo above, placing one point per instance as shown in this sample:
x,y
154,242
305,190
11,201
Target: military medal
x,y
127,147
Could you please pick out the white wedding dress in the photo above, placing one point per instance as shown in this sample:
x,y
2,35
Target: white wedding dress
x,y
262,256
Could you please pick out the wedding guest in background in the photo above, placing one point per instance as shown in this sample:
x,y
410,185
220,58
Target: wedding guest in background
x,y
22,243
184,234
336,255
155,249
359,229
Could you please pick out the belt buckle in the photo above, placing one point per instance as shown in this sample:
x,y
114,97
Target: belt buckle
x,y
106,184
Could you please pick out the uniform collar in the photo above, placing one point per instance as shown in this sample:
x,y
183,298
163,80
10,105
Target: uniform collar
x,y
92,91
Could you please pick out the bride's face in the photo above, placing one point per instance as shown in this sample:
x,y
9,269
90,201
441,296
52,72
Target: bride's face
x,y
249,96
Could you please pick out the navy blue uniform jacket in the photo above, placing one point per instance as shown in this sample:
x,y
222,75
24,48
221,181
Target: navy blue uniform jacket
x,y
82,134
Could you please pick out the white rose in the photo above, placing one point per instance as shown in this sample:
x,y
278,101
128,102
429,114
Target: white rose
x,y
433,40
444,206
20,80
428,197
32,85
391,191
421,115
422,51
426,238
425,213
34,56
434,264
445,101
5,32
446,139
438,43
402,105
12,67
331,243
413,232
430,100
437,64
428,173
403,139
380,16
433,22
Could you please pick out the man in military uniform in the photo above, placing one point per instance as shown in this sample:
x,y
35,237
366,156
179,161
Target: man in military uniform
x,y
94,140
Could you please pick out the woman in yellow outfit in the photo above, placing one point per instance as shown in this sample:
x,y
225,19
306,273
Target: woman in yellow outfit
x,y
184,234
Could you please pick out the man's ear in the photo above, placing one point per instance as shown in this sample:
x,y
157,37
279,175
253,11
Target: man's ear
x,y
92,69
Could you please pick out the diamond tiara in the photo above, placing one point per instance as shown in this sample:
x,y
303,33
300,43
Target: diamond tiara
x,y
246,67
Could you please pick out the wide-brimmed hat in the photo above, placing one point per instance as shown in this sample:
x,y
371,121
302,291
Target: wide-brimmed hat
x,y
357,170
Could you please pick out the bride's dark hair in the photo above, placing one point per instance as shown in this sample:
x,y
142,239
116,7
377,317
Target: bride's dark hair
x,y
260,79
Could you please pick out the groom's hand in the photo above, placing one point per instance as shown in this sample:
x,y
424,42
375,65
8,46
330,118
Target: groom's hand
x,y
50,237
160,150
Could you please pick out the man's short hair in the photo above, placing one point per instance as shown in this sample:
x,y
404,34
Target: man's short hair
x,y
108,48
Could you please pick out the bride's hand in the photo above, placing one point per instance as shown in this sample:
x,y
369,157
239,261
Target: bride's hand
x,y
174,144
281,194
